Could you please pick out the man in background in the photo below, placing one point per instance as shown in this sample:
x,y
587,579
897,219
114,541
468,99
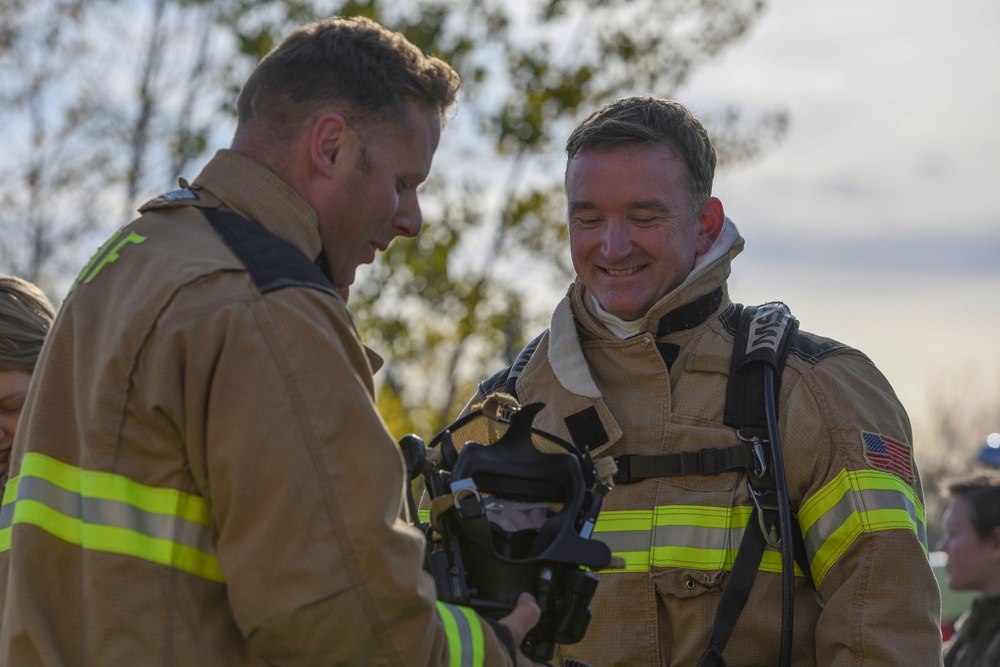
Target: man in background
x,y
972,542
201,476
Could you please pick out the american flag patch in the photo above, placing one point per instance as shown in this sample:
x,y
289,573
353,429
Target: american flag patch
x,y
884,453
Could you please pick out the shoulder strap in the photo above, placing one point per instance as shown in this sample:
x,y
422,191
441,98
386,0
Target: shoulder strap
x,y
272,262
763,338
506,379
759,354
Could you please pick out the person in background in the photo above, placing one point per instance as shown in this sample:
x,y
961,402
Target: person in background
x,y
202,476
972,542
25,317
636,365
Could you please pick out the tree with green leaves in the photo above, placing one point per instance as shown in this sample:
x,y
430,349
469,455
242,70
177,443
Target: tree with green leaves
x,y
445,308
95,122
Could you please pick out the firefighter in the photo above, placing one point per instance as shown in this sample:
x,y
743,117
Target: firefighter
x,y
636,365
201,477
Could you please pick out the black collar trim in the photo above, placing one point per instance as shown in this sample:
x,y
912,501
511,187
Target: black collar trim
x,y
690,315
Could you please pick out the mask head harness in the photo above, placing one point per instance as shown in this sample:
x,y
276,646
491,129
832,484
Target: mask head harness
x,y
512,510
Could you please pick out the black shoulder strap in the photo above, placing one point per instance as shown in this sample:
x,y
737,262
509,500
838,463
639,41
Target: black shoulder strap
x,y
764,336
272,262
523,357
759,353
506,379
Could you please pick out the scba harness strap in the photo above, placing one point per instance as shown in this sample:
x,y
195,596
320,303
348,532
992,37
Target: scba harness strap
x,y
760,350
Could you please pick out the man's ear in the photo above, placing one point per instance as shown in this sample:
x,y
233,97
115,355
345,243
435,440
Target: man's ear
x,y
711,218
994,543
328,138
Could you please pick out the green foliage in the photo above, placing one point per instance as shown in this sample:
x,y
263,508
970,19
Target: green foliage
x,y
445,309
459,302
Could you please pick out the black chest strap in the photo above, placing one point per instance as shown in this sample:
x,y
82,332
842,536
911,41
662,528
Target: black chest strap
x,y
708,461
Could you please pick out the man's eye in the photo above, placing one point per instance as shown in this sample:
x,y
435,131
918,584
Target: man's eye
x,y
587,221
11,408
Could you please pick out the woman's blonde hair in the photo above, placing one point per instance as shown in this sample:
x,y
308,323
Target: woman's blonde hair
x,y
25,317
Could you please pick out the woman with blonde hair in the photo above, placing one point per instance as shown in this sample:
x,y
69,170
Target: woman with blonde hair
x,y
25,317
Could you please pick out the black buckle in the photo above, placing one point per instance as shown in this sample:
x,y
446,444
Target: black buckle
x,y
710,461
624,474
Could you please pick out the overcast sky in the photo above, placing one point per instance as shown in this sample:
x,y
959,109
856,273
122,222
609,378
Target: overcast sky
x,y
878,218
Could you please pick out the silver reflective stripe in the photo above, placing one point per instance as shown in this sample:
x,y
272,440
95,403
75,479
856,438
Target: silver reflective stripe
x,y
465,637
110,513
627,540
107,512
464,634
697,537
852,504
669,536
871,499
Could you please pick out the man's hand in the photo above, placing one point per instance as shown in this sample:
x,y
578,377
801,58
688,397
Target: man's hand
x,y
520,621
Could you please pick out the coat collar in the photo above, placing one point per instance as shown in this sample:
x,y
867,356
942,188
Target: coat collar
x,y
246,187
689,305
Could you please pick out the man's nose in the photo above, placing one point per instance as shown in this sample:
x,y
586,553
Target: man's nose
x,y
408,219
616,242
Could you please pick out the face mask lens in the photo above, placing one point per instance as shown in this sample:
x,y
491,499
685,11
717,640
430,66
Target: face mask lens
x,y
516,515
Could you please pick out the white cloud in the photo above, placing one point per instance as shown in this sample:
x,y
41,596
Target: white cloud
x,y
878,218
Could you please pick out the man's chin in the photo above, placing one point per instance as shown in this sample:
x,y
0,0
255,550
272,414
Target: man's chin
x,y
625,309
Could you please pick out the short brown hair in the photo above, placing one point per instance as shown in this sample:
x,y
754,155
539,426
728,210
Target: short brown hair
x,y
982,493
25,317
649,121
369,70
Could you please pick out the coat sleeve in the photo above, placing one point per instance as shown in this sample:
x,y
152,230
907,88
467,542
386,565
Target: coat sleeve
x,y
305,485
848,452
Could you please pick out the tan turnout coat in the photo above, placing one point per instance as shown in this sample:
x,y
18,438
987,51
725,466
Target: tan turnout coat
x,y
203,477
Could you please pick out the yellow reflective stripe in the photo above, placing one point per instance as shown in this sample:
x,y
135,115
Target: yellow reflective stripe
x,y
464,632
693,557
689,536
771,562
854,503
109,513
701,516
109,486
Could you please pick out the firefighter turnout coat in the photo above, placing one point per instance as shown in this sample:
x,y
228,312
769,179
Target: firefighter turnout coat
x,y
201,476
851,479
